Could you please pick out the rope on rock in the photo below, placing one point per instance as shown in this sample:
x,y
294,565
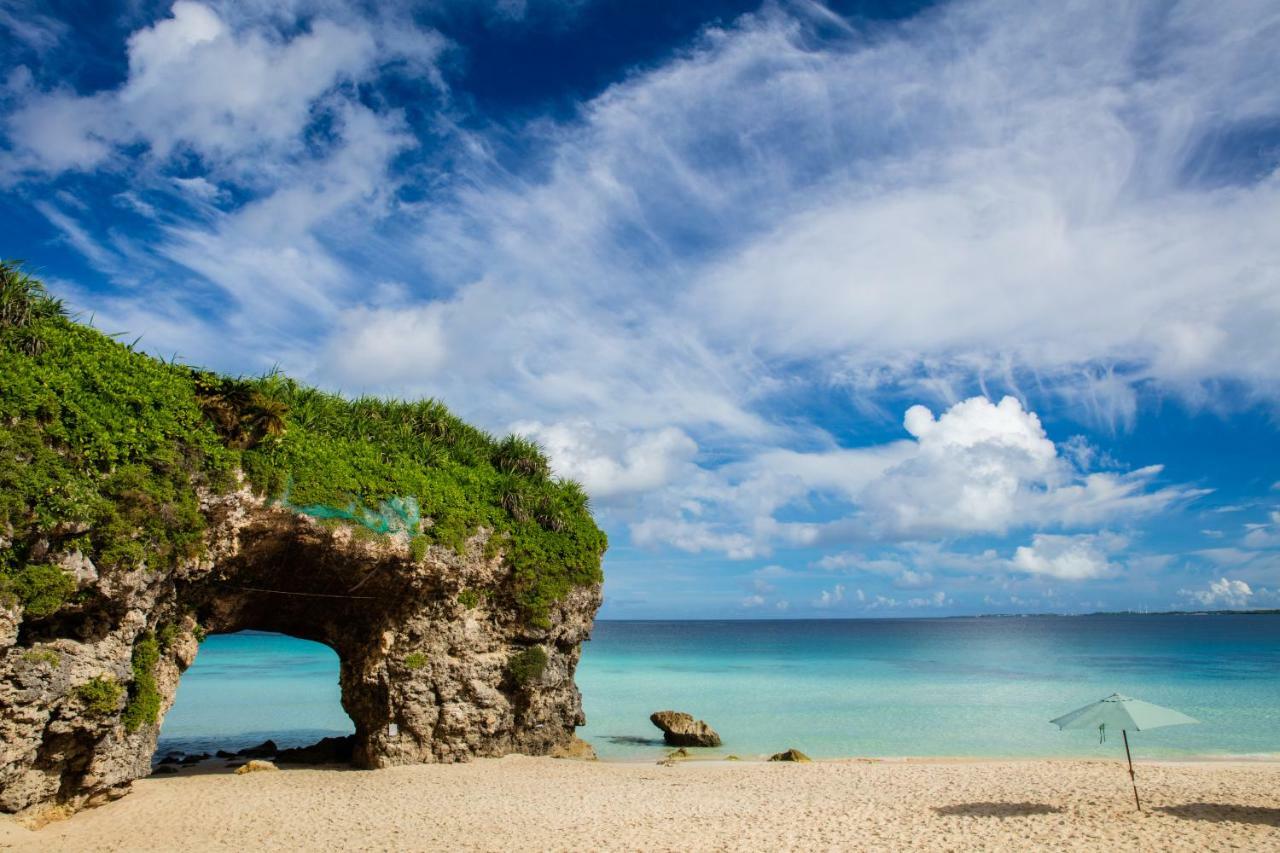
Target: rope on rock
x,y
307,594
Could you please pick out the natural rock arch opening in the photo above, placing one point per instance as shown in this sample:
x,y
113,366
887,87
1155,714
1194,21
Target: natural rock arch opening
x,y
250,687
427,672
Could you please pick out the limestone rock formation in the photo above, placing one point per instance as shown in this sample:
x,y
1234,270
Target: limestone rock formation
x,y
424,678
790,755
681,729
144,505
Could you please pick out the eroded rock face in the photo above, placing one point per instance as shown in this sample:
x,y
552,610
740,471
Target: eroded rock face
x,y
424,677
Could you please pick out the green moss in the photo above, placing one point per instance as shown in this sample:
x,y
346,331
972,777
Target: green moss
x,y
415,660
100,439
528,666
45,656
469,598
144,695
418,548
42,588
100,695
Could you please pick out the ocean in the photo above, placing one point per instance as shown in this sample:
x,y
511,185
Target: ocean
x,y
831,688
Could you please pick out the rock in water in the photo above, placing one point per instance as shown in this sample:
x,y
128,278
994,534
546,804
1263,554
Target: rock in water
x,y
790,755
330,750
227,506
681,729
266,749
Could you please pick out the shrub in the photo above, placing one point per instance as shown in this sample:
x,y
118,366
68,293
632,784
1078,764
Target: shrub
x,y
520,456
144,694
42,589
469,598
528,666
418,546
415,661
100,695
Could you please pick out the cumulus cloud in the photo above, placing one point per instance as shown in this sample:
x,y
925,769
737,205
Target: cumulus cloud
x,y
610,463
938,599
830,598
196,83
1222,592
978,468
1072,558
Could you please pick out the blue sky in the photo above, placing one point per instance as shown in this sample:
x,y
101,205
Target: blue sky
x,y
860,309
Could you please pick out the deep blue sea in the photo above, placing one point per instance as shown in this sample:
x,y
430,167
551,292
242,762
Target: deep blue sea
x,y
867,687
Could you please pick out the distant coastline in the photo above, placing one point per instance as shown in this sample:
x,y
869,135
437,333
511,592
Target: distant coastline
x,y
1256,612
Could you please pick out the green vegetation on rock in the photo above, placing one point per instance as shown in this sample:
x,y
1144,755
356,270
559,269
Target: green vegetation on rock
x,y
100,695
144,695
528,666
103,448
469,598
415,661
45,656
166,636
42,588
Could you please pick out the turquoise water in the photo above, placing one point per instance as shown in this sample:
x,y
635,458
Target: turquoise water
x,y
887,687
247,687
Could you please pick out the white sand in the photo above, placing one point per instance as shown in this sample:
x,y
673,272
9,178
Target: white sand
x,y
522,803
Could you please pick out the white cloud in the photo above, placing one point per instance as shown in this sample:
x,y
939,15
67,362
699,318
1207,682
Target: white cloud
x,y
830,598
1266,535
694,537
1221,592
612,462
1072,558
195,83
938,599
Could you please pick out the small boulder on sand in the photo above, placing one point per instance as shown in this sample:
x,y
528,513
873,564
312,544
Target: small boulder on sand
x,y
255,766
576,749
680,729
790,755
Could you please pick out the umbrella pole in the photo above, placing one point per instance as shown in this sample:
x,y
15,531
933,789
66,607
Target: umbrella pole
x,y
1132,780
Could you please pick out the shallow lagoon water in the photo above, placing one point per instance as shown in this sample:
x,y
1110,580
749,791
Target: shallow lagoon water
x,y
873,687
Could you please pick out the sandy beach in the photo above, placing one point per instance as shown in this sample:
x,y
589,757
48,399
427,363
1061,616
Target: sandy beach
x,y
548,804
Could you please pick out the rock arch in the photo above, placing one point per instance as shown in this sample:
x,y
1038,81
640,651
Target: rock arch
x,y
437,664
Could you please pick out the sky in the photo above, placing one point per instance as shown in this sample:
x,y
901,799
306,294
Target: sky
x,y
849,310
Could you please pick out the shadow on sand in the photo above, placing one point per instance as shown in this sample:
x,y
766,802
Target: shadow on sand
x,y
1224,812
1000,810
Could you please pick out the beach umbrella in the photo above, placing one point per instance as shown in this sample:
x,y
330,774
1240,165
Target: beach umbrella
x,y
1125,714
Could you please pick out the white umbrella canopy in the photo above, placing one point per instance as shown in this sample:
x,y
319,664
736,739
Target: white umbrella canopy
x,y
1126,714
